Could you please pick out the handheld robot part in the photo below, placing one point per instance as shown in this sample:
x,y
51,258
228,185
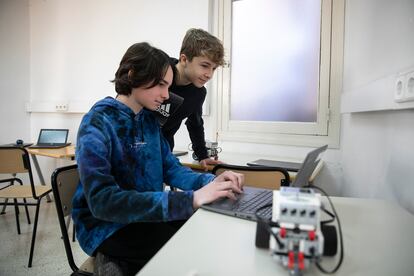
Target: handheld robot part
x,y
298,240
212,150
295,235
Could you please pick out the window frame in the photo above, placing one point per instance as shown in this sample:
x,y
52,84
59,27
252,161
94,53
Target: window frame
x,y
330,82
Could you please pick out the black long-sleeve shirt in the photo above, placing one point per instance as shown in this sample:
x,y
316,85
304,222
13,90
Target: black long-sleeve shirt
x,y
192,109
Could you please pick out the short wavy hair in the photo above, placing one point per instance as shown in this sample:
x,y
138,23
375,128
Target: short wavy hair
x,y
141,66
198,42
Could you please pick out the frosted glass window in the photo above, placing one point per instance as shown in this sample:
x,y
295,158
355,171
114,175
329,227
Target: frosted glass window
x,y
275,59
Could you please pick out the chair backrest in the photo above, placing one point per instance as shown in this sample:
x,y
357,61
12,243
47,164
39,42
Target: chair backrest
x,y
260,177
14,160
64,183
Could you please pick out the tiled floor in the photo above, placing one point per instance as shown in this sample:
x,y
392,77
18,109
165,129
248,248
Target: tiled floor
x,y
49,253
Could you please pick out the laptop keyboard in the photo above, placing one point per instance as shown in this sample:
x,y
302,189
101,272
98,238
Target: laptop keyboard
x,y
251,204
266,213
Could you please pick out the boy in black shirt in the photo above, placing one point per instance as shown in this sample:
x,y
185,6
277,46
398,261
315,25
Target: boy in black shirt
x,y
200,55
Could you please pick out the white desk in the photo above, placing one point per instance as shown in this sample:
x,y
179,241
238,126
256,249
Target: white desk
x,y
378,238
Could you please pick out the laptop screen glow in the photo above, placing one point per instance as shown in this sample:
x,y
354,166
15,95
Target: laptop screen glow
x,y
52,136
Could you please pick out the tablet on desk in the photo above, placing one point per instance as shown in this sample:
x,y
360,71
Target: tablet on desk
x,y
290,166
179,152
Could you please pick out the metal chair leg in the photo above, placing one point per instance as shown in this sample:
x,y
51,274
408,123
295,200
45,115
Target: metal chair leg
x,y
3,211
74,233
16,211
27,210
34,232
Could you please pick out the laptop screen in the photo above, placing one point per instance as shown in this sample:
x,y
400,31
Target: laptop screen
x,y
308,166
53,136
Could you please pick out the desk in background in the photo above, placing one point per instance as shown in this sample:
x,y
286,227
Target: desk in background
x,y
227,157
230,158
242,159
67,152
378,238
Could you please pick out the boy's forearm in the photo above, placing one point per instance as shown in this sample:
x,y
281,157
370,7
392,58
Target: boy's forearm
x,y
198,142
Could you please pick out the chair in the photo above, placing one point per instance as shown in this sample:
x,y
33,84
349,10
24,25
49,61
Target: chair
x,y
64,183
10,182
259,177
16,160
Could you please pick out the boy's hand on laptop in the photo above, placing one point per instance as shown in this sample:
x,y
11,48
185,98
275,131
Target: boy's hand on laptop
x,y
224,185
236,178
209,161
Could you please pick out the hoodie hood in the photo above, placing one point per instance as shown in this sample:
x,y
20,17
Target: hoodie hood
x,y
111,103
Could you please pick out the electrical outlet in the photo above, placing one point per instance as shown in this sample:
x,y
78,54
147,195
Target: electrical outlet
x,y
61,107
409,87
399,88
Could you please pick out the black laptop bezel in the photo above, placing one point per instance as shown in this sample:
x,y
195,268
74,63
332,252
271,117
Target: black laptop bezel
x,y
52,144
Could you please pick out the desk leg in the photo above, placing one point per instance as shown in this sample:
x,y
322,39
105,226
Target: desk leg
x,y
39,173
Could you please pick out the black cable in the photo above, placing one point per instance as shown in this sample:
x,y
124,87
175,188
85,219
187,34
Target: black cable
x,y
332,219
341,254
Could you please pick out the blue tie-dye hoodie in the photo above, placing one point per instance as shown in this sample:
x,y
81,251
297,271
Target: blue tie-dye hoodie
x,y
124,161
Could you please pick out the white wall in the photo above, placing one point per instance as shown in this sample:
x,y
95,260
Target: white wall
x,y
377,148
76,47
14,70
378,156
379,40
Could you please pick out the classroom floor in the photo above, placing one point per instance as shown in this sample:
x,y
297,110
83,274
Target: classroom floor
x,y
49,254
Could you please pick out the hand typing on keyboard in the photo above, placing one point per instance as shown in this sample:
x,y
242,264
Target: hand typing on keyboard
x,y
227,184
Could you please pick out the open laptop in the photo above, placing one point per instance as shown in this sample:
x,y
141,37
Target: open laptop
x,y
253,198
52,139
